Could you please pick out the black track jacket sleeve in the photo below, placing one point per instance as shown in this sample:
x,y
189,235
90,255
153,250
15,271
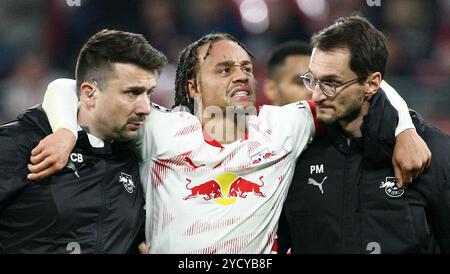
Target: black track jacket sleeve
x,y
12,164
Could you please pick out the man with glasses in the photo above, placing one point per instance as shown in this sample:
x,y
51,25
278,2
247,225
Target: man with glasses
x,y
329,89
283,86
209,191
344,197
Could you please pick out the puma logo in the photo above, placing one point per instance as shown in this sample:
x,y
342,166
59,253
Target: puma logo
x,y
313,182
75,169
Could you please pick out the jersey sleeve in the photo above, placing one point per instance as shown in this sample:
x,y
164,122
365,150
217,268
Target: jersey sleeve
x,y
143,145
61,104
150,138
153,134
404,119
297,121
305,123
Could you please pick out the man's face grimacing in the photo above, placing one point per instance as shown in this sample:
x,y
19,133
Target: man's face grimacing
x,y
225,77
122,106
333,66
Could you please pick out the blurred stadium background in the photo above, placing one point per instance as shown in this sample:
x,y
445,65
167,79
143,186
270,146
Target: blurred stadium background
x,y
40,39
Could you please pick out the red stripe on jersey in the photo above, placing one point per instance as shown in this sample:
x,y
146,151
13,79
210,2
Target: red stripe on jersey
x,y
160,171
210,141
253,146
167,218
275,246
187,130
213,142
281,178
317,123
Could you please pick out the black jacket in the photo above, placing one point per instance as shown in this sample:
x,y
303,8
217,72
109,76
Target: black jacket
x,y
343,200
94,205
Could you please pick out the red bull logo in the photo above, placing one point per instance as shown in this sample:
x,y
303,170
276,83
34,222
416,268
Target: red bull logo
x,y
268,155
225,189
240,187
208,190
262,156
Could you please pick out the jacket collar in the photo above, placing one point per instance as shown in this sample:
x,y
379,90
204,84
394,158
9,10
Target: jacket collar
x,y
36,117
378,130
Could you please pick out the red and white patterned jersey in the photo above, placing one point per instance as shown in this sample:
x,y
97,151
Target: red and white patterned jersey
x,y
204,197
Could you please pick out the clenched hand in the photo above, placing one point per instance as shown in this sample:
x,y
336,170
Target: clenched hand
x,y
411,157
144,248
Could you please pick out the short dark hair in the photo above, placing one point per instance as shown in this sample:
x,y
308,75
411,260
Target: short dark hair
x,y
187,67
96,58
278,55
368,46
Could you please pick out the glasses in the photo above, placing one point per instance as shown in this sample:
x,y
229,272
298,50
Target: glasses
x,y
327,88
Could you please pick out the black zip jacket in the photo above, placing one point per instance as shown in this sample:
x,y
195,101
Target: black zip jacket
x,y
93,205
343,198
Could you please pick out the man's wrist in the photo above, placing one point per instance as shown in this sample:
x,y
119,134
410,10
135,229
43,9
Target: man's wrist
x,y
68,132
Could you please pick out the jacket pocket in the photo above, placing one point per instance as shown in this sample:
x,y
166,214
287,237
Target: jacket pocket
x,y
423,236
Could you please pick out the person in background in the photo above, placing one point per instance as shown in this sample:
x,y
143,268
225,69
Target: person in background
x,y
286,63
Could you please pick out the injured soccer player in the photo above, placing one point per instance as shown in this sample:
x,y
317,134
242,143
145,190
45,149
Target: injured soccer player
x,y
215,172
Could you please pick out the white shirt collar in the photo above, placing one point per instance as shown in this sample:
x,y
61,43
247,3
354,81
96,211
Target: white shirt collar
x,y
94,141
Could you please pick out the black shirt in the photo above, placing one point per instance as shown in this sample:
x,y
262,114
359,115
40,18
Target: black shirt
x,y
343,198
93,205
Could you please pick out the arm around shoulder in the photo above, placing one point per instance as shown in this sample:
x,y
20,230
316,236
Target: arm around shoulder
x,y
61,104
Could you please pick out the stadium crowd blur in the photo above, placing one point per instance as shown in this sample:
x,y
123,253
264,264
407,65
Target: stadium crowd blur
x,y
39,40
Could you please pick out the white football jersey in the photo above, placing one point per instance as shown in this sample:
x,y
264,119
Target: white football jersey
x,y
204,197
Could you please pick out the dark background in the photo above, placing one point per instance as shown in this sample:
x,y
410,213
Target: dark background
x,y
40,40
